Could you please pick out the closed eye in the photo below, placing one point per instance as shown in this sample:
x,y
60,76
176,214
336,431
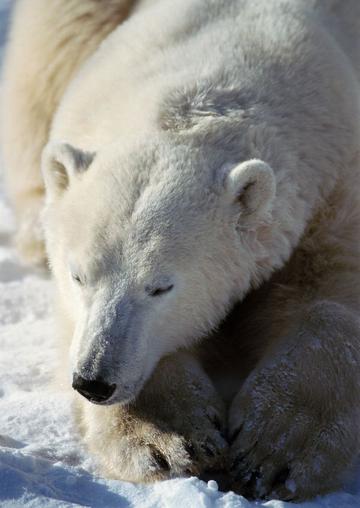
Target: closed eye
x,y
159,291
76,277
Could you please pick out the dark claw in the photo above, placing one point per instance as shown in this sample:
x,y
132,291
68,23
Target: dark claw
x,y
242,458
190,450
280,478
217,423
239,463
249,488
235,434
215,420
160,459
220,476
209,452
283,495
223,434
219,426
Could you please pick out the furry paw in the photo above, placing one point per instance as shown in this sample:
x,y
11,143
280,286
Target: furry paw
x,y
285,443
140,450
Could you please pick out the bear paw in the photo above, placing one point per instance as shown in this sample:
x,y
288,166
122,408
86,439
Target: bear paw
x,y
151,452
283,446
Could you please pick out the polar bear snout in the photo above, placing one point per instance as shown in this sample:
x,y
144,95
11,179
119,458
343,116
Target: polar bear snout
x,y
96,390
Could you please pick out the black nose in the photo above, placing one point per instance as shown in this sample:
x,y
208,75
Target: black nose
x,y
95,391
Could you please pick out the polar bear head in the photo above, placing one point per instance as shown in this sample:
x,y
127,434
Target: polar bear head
x,y
150,248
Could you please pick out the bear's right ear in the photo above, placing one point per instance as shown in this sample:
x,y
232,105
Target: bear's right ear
x,y
60,164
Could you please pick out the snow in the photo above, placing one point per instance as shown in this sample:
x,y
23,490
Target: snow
x,y
42,461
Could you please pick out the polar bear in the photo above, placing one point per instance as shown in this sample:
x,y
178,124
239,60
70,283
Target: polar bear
x,y
201,218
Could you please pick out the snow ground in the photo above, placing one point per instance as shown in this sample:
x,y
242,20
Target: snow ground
x,y
42,463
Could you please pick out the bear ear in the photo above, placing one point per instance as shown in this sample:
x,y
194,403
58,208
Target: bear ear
x,y
60,164
252,185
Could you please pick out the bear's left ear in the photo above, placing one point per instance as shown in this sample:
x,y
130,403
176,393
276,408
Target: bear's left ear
x,y
252,185
61,163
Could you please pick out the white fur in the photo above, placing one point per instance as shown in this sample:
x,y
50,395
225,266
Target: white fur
x,y
156,166
197,155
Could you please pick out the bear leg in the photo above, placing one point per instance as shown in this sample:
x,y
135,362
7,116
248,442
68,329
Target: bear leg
x,y
48,41
294,424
